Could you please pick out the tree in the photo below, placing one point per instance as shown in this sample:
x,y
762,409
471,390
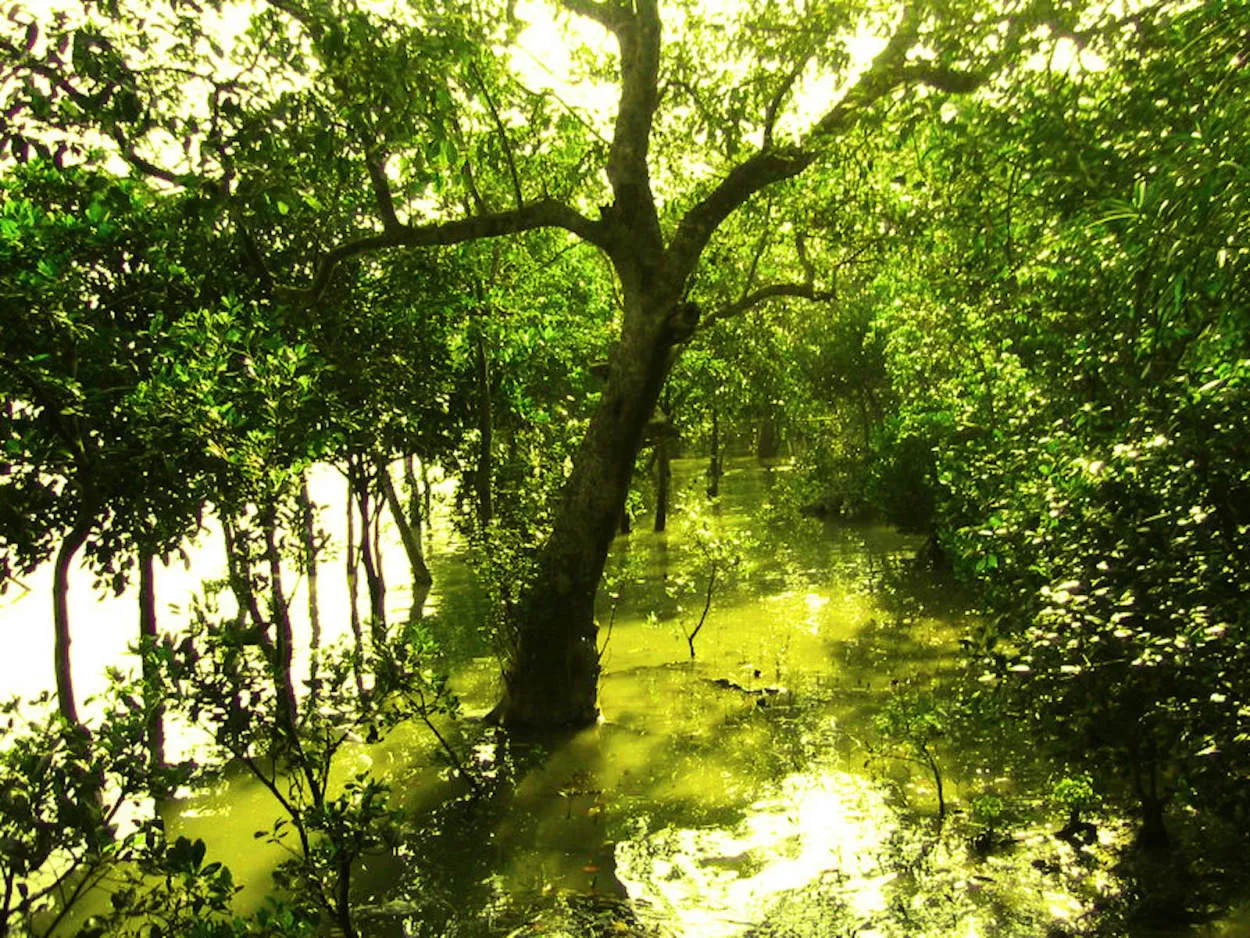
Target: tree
x,y
1069,349
92,268
400,116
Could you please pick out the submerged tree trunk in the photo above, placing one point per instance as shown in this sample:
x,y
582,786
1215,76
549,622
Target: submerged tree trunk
x,y
663,480
419,520
359,494
418,498
147,644
72,543
714,466
552,680
410,537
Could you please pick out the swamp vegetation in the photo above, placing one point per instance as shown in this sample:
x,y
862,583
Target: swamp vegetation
x,y
601,467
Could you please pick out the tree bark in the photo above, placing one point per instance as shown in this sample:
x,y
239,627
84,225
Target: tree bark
x,y
714,464
411,539
70,545
308,532
147,644
353,592
284,652
768,440
552,681
484,470
663,480
359,485
239,567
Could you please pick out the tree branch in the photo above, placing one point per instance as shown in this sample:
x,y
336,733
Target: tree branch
x,y
800,251
774,105
547,213
505,143
637,32
776,164
760,246
756,172
610,15
803,291
950,80
382,193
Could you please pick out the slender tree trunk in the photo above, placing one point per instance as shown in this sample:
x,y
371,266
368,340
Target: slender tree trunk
x,y
418,513
714,466
411,539
663,481
70,545
283,633
353,591
485,458
427,492
147,645
552,680
419,521
342,899
368,558
707,607
239,572
379,567
308,531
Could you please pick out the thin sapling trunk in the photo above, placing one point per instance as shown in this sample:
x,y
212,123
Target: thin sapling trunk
x,y
707,606
353,594
147,643
70,545
311,550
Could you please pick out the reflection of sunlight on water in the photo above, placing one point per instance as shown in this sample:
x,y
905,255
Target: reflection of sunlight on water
x,y
719,881
815,602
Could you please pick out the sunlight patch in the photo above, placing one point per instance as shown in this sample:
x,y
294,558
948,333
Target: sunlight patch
x,y
720,881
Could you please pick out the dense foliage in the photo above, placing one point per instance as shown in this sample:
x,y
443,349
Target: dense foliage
x,y
1067,353
994,288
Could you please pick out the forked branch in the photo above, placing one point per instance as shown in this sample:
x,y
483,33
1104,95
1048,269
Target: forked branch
x,y
547,213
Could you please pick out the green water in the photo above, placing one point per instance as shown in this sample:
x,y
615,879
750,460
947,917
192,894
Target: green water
x,y
743,792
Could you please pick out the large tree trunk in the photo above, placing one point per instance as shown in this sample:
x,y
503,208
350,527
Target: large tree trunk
x,y
552,681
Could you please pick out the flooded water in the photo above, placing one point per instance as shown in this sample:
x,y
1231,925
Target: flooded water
x,y
741,792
